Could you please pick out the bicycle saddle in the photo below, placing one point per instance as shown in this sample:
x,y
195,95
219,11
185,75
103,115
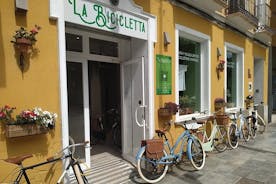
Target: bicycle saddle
x,y
18,160
160,132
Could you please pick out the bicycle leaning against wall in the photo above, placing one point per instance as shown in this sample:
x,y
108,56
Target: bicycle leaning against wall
x,y
66,154
153,159
217,138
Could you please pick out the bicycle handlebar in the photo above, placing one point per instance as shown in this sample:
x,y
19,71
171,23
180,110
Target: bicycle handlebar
x,y
74,145
67,148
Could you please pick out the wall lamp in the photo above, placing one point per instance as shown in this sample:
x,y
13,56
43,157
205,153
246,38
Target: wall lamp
x,y
167,39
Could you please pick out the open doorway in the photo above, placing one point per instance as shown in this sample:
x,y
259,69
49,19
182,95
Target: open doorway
x,y
105,107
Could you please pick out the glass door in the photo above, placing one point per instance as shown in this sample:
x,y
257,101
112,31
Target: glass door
x,y
77,113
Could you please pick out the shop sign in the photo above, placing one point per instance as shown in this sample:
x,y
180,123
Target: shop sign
x,y
163,75
95,15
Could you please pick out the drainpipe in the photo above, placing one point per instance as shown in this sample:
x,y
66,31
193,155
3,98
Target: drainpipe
x,y
270,97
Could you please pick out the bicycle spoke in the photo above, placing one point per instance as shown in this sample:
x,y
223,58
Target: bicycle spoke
x,y
220,139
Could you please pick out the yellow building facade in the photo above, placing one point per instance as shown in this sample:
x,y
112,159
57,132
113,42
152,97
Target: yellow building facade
x,y
134,56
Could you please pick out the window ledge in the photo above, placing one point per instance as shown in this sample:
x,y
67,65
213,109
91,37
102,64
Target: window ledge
x,y
188,117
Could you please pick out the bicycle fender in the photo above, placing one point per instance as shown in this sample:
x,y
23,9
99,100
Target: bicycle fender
x,y
142,149
189,148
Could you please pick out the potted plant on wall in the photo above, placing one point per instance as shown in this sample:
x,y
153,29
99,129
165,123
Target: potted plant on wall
x,y
23,42
28,122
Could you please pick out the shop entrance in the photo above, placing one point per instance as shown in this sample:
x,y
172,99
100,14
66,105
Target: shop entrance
x,y
105,106
107,77
258,80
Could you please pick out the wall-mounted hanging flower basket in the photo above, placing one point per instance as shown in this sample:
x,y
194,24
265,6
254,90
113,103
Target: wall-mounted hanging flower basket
x,y
23,41
164,112
14,130
169,109
220,67
23,44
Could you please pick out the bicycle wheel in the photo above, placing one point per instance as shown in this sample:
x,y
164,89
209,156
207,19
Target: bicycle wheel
x,y
253,127
232,137
260,124
198,154
149,169
220,139
245,131
117,136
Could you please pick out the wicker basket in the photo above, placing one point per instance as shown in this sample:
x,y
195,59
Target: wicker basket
x,y
24,130
164,112
222,119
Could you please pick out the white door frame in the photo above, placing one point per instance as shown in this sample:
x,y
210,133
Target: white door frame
x,y
71,58
57,13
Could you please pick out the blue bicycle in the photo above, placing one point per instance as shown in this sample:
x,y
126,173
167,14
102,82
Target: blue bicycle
x,y
152,170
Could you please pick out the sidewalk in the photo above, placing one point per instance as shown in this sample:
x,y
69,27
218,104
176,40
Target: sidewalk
x,y
265,142
253,162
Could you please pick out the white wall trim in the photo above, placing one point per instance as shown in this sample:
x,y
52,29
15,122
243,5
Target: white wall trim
x,y
240,73
205,67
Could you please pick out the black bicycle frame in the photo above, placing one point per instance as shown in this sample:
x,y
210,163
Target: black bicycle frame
x,y
24,169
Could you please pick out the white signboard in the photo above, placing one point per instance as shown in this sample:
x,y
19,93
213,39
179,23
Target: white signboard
x,y
95,15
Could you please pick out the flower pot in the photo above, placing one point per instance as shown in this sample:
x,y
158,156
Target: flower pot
x,y
164,112
13,130
23,44
186,110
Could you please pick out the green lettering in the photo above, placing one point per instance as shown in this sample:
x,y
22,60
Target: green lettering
x,y
84,13
113,20
108,17
121,20
135,22
126,23
142,27
100,18
130,23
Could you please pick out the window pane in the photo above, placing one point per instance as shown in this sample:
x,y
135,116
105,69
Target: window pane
x,y
231,79
102,47
73,42
189,76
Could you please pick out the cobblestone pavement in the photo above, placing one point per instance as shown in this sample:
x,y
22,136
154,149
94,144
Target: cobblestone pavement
x,y
253,162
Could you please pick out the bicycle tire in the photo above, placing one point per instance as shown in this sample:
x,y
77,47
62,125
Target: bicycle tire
x,y
198,154
117,136
253,127
220,139
147,171
261,125
232,137
245,131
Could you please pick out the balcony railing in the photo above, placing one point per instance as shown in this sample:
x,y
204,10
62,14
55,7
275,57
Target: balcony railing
x,y
263,14
246,7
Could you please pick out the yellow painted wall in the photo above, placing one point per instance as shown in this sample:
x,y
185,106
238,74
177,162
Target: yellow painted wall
x,y
37,86
168,16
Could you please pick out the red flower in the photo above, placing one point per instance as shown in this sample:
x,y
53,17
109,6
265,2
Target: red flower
x,y
2,114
